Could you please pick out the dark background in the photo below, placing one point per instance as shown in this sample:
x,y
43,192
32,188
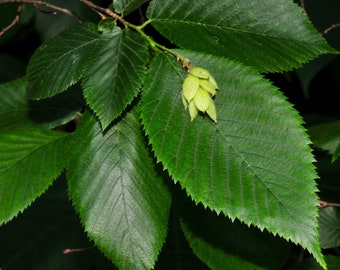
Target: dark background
x,y
36,238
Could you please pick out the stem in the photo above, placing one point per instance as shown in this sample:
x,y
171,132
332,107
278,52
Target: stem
x,y
302,4
156,46
144,24
14,22
324,32
324,204
72,250
330,28
42,3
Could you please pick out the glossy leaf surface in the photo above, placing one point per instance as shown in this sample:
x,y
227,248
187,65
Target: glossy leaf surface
x,y
268,35
58,63
254,164
113,79
122,201
126,6
22,178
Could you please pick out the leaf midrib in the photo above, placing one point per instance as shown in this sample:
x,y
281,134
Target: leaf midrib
x,y
30,153
205,25
252,171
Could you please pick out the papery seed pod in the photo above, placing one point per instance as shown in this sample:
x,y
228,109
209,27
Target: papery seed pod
x,y
190,86
213,82
197,91
211,111
200,73
202,99
185,102
208,86
192,110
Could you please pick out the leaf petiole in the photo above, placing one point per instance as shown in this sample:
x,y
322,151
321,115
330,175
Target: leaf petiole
x,y
153,44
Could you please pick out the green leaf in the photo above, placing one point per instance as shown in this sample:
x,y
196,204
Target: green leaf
x,y
114,77
107,25
272,35
223,244
326,136
254,164
126,6
122,202
16,111
31,158
13,109
58,63
329,229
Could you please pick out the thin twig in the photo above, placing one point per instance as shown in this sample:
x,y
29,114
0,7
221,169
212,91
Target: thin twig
x,y
14,22
302,4
155,45
324,204
72,250
330,28
324,32
42,3
103,10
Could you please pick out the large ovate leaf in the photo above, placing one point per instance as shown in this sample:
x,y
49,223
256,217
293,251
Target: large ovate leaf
x,y
224,244
30,159
114,77
255,164
126,6
122,201
58,63
268,35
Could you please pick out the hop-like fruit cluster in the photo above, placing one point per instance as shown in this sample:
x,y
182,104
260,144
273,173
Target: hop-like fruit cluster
x,y
199,88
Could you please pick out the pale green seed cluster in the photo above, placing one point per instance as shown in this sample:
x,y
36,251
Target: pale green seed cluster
x,y
198,90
